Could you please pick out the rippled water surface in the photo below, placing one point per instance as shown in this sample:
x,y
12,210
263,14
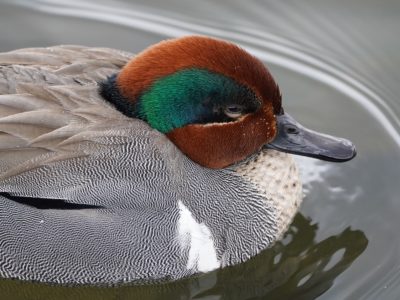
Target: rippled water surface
x,y
338,66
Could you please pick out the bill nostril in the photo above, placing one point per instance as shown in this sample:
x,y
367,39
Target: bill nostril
x,y
291,130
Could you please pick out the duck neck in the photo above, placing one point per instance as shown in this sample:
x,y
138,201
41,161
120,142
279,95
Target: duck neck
x,y
110,91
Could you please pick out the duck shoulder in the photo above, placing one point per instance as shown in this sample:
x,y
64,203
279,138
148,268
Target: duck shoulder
x,y
48,95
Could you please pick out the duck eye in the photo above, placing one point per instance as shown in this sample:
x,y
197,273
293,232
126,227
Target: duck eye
x,y
233,111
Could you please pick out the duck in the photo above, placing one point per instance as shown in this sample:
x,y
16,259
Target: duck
x,y
119,168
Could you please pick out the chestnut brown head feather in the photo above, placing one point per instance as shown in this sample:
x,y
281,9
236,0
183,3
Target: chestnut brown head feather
x,y
217,146
214,145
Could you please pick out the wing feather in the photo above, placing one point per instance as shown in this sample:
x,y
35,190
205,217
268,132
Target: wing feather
x,y
50,105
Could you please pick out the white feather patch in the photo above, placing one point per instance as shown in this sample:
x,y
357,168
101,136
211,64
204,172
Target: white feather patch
x,y
196,238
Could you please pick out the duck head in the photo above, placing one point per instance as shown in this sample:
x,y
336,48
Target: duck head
x,y
217,103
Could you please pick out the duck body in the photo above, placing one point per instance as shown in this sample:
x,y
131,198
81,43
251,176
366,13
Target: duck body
x,y
116,169
83,202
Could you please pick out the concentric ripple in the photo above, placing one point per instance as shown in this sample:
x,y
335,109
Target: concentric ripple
x,y
344,244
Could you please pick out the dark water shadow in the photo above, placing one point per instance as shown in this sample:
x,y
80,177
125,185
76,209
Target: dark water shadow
x,y
298,267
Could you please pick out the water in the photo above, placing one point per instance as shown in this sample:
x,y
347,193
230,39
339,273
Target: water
x,y
337,64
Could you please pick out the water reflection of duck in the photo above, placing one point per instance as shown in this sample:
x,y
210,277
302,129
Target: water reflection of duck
x,y
92,194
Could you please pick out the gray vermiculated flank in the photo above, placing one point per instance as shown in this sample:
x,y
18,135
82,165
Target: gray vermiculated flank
x,y
60,140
